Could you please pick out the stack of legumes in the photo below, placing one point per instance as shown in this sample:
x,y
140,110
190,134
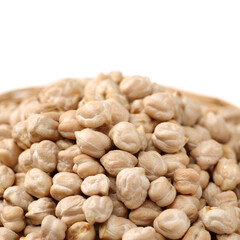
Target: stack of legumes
x,y
116,157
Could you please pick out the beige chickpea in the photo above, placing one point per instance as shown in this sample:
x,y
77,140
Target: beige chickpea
x,y
92,143
172,223
97,209
113,185
63,144
142,119
96,185
105,86
116,160
142,137
175,161
196,135
145,214
64,94
160,106
228,152
169,137
233,236
7,234
186,181
115,227
132,186
85,166
188,204
135,87
121,99
81,231
40,127
116,76
204,178
65,184
25,161
197,233
150,146
9,152
137,106
12,217
153,163
125,137
226,174
37,183
207,153
70,209
31,228
65,158
220,220
119,208
53,228
226,197
2,204
210,193
162,192
94,114
17,196
119,112
20,134
7,178
40,208
68,124
32,236
216,125
19,179
44,155
5,131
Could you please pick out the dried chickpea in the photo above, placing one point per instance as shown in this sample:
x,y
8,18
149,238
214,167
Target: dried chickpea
x,y
40,208
142,119
114,228
207,153
145,214
97,209
65,158
92,143
63,144
12,217
2,204
162,192
220,220
37,183
85,166
153,163
19,179
81,231
7,178
32,236
160,106
7,234
172,223
116,76
70,209
116,160
233,236
169,137
137,106
96,185
9,152
31,228
44,155
132,186
186,181
53,228
17,196
126,137
119,208
65,184
210,192
150,145
204,179
25,161
197,233
226,197
135,87
5,131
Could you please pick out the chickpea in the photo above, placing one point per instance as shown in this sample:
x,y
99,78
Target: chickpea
x,y
7,234
19,179
5,131
226,197
210,192
31,228
198,233
25,161
132,186
119,208
137,106
142,119
7,178
32,236
63,144
233,236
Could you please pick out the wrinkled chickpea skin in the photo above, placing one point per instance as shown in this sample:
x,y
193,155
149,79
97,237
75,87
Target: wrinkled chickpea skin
x,y
118,157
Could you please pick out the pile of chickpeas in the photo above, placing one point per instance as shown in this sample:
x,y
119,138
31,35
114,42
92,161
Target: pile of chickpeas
x,y
117,157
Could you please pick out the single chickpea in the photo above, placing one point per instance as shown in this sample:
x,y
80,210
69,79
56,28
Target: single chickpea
x,y
115,227
25,161
137,106
169,137
233,236
65,184
132,186
92,143
81,231
162,192
210,193
116,160
186,181
142,119
204,178
198,233
63,144
70,209
19,179
32,236
7,178
116,76
5,131
12,217
97,209
226,197
31,228
53,228
40,208
125,137
119,208
172,223
153,163
7,234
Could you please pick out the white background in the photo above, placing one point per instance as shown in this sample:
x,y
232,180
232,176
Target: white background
x,y
192,45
